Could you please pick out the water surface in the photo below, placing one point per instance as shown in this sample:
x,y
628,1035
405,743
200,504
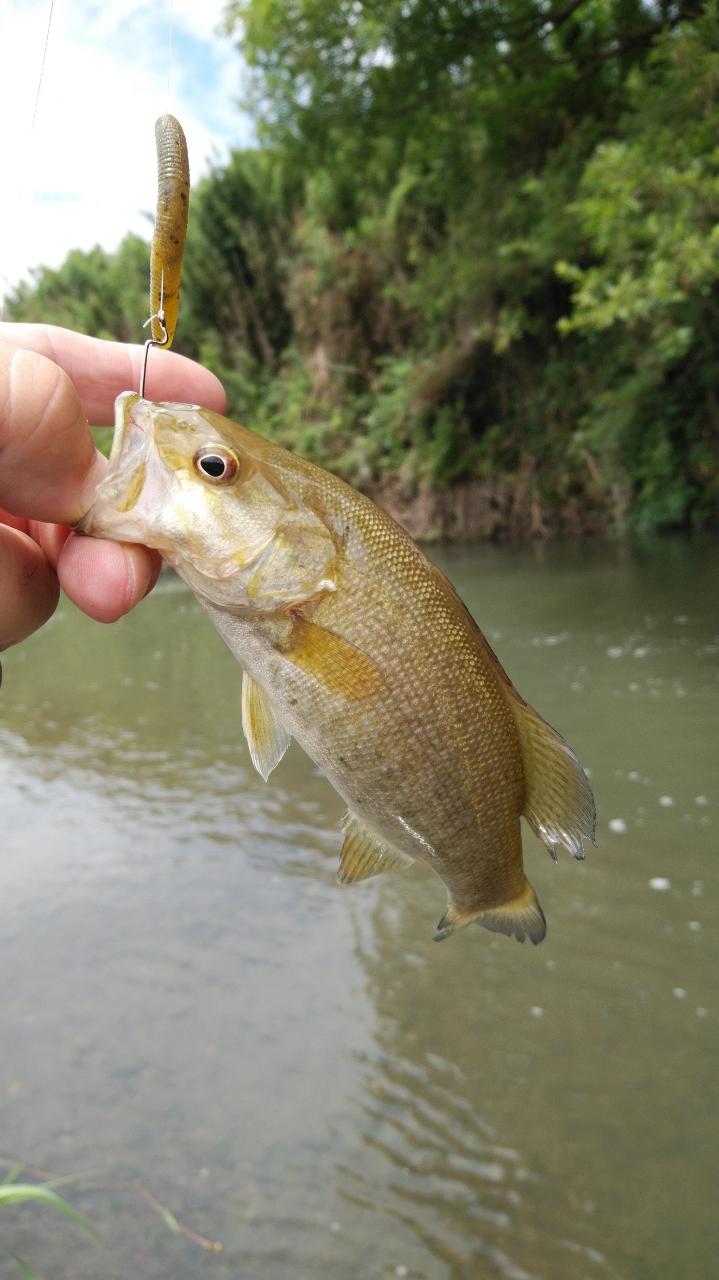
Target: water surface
x,y
295,1069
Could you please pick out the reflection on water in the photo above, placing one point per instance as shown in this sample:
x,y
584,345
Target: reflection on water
x,y
296,1069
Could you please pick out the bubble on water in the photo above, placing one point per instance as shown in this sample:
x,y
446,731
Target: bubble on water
x,y
633,776
695,926
681,619
697,888
615,652
618,825
633,688
702,800
640,653
335,1226
666,801
401,1270
679,992
537,1012
204,1173
701,1013
660,882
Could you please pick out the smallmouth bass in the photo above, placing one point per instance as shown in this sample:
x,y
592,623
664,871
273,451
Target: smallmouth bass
x,y
354,643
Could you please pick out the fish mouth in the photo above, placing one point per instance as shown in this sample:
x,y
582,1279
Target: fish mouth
x,y
115,512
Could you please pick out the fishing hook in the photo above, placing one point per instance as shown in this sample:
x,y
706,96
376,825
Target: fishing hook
x,y
152,342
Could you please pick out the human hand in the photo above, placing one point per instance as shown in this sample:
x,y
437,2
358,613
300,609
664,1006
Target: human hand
x,y
52,383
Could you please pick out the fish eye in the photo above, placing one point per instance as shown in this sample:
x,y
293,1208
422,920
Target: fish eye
x,y
216,464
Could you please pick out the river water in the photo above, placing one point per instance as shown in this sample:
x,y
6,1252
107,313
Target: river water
x,y
295,1069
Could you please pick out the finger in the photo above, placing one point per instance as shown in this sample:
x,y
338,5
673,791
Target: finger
x,y
106,579
51,537
15,522
30,589
101,370
49,467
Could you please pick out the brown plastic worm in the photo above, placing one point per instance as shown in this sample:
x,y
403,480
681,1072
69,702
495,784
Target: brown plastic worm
x,y
168,242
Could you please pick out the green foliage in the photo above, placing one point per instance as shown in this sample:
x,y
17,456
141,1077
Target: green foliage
x,y
104,294
649,206
14,1192
24,1267
17,1192
478,239
236,261
449,155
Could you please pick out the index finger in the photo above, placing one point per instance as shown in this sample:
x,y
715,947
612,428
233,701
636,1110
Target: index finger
x,y
100,370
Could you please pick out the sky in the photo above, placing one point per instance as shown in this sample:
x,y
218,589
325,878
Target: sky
x,y
85,173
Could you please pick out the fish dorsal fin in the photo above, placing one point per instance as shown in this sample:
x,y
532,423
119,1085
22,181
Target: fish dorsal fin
x,y
558,801
266,736
363,855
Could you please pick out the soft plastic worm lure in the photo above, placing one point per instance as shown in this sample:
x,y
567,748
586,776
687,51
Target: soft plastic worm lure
x,y
168,241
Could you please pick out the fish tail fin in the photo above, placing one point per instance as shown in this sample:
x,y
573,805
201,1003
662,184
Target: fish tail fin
x,y
521,918
558,801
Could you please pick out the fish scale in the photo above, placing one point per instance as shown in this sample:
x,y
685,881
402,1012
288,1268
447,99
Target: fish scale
x,y
354,643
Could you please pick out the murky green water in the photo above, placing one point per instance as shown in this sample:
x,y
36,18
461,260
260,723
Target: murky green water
x,y
296,1069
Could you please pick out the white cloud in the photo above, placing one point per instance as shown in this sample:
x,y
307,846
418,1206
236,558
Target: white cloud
x,y
86,172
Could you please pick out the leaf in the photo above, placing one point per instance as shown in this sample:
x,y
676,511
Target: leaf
x,y
171,1220
26,1270
15,1193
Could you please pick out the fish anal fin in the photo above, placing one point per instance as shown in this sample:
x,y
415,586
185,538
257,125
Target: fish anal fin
x,y
364,855
558,801
266,736
330,660
521,918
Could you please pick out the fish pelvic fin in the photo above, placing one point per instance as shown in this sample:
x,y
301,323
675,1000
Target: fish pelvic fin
x,y
266,736
521,918
558,801
364,855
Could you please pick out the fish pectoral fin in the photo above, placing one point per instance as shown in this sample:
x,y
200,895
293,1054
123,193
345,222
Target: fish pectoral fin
x,y
521,918
266,736
330,660
558,801
364,855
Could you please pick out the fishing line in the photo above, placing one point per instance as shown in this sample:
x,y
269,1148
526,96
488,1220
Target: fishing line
x,y
169,59
168,240
42,66
32,130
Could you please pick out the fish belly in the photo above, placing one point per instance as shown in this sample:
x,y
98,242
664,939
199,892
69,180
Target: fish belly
x,y
432,767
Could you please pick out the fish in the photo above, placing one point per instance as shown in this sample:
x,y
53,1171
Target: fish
x,y
354,643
